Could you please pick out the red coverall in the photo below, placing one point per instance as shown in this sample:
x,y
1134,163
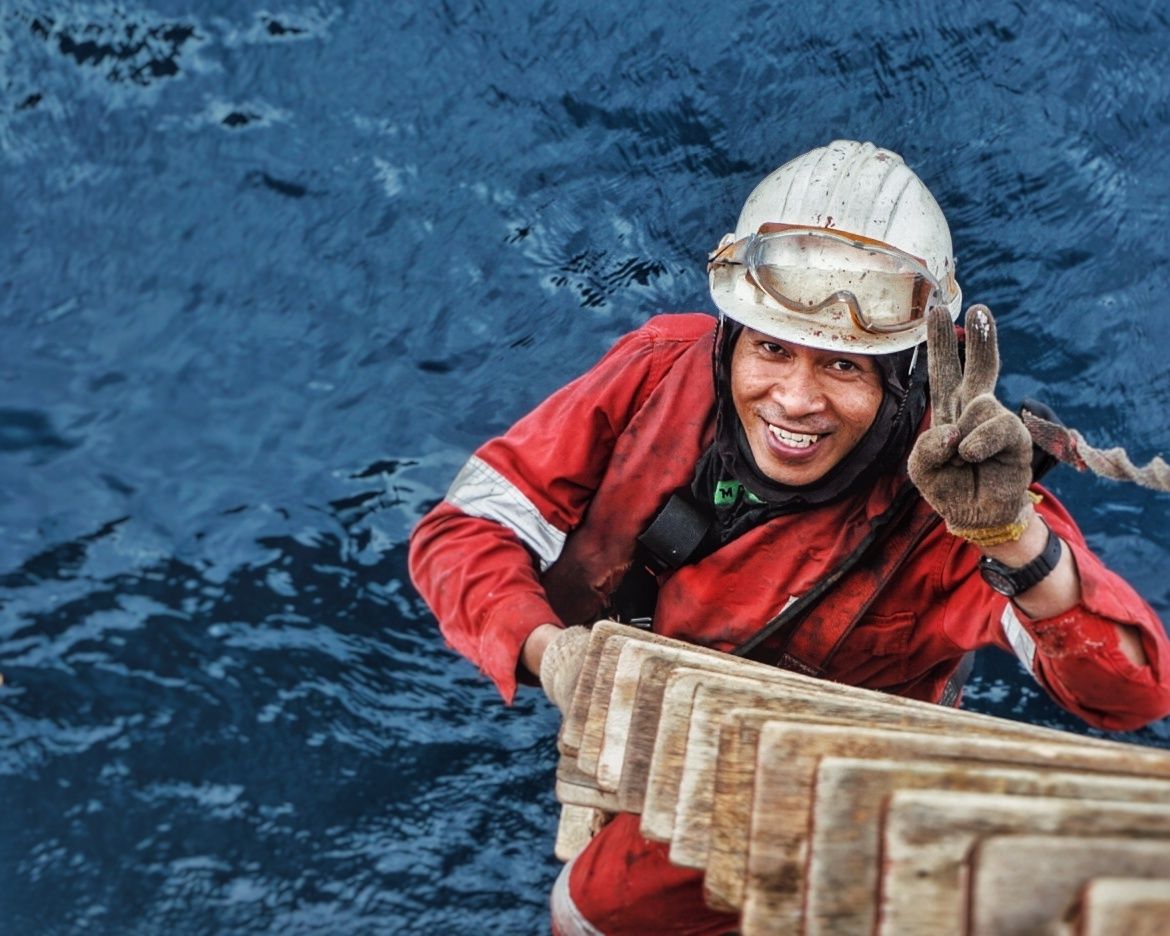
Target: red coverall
x,y
540,525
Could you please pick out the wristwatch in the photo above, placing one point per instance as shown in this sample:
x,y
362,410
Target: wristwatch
x,y
1010,580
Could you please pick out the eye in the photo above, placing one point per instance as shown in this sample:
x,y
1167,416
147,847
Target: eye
x,y
845,366
772,347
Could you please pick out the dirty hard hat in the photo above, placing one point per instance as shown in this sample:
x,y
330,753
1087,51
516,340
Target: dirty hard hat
x,y
842,248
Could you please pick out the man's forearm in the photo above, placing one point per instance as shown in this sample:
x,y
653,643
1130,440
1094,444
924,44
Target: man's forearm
x,y
1060,590
532,652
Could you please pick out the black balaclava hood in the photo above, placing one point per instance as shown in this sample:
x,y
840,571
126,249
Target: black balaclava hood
x,y
883,449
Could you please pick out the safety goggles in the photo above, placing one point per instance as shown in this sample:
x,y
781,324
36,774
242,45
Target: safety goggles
x,y
809,269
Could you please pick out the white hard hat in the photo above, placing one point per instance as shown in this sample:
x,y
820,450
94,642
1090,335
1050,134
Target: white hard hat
x,y
843,188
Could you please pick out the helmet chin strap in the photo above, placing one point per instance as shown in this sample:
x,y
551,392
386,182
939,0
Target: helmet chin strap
x,y
913,361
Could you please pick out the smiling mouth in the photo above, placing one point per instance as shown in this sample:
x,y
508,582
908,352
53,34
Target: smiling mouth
x,y
793,439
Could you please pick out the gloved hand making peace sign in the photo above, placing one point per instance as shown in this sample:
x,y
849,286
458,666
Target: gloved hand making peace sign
x,y
974,464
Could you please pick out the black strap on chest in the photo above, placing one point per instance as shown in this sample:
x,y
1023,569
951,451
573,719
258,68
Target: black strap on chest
x,y
668,543
674,535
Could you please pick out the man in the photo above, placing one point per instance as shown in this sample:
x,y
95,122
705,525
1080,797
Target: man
x,y
812,450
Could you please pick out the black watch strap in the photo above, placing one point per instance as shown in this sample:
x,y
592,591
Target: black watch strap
x,y
1010,580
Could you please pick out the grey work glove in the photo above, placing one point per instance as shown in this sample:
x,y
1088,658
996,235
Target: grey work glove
x,y
560,667
974,464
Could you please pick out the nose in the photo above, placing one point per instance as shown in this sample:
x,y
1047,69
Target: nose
x,y
798,392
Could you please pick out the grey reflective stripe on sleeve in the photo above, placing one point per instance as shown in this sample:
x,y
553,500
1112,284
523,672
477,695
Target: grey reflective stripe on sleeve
x,y
1021,641
567,920
481,491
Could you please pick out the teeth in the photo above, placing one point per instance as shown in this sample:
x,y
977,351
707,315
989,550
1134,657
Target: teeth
x,y
798,439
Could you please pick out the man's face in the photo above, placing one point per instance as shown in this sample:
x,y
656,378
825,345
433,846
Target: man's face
x,y
802,409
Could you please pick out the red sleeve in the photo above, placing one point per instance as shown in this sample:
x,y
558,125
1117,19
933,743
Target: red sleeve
x,y
476,558
1076,656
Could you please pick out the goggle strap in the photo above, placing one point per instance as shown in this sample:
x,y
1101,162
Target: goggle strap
x,y
729,254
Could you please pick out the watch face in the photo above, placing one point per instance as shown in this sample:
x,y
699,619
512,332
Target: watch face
x,y
997,580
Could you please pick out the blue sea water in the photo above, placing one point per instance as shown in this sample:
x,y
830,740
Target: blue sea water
x,y
268,272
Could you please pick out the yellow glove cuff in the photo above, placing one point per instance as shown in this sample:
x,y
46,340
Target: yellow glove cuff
x,y
996,535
